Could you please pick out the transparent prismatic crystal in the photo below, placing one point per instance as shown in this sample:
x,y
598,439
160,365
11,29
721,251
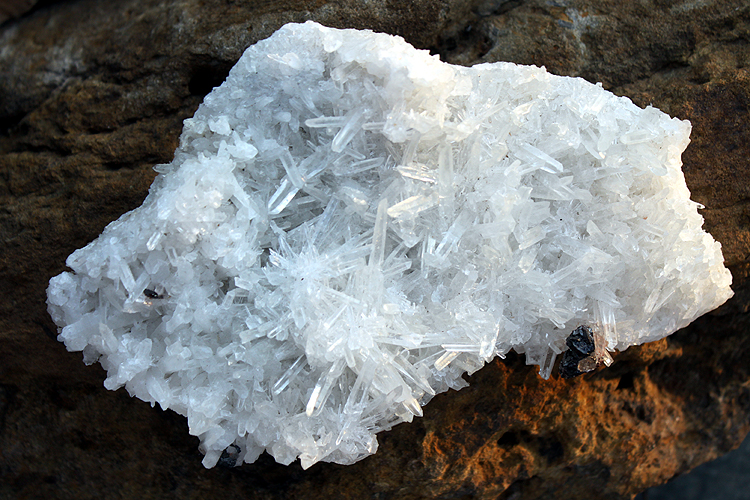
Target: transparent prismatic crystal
x,y
349,225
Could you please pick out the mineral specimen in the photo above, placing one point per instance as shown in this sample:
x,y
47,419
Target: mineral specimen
x,y
350,225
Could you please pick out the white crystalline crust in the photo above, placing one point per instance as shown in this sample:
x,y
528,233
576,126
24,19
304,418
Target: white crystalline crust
x,y
349,225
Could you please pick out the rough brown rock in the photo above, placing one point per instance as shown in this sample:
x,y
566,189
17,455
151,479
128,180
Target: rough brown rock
x,y
93,94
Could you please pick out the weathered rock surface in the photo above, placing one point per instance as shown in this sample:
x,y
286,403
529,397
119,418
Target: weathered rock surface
x,y
92,95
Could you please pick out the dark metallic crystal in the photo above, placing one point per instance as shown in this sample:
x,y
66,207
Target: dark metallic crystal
x,y
577,359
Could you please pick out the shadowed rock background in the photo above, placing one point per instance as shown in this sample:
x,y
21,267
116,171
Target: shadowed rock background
x,y
93,94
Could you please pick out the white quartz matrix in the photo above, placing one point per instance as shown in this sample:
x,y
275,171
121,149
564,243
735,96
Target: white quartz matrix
x,y
349,225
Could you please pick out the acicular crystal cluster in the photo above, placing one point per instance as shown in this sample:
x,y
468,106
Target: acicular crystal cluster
x,y
349,225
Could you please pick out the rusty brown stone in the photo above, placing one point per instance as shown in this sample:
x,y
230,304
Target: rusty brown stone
x,y
93,94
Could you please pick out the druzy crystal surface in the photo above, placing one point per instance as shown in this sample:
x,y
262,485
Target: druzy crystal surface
x,y
349,225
